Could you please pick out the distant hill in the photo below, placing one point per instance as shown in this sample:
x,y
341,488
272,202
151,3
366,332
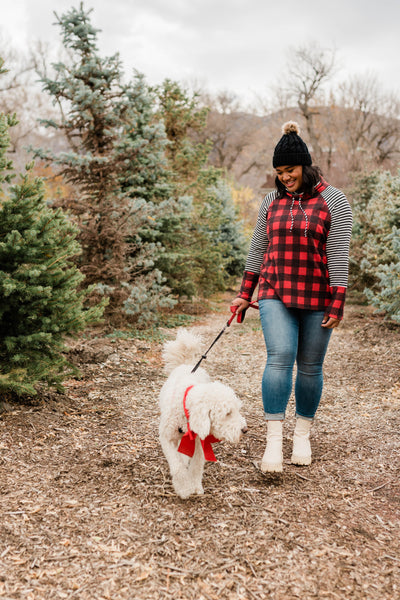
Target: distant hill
x,y
243,143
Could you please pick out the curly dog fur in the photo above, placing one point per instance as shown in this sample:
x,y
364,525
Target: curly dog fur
x,y
213,409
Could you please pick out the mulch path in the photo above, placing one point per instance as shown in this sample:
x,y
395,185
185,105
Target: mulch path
x,y
87,509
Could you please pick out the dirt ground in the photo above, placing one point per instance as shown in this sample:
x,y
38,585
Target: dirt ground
x,y
88,511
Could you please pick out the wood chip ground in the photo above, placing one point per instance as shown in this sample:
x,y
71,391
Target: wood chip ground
x,y
87,510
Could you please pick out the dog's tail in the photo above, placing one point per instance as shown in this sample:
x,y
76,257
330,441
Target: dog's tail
x,y
184,350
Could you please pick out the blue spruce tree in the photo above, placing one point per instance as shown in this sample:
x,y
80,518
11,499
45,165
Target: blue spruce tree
x,y
376,243
117,167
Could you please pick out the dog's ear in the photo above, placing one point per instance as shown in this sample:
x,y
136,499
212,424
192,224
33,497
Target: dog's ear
x,y
199,417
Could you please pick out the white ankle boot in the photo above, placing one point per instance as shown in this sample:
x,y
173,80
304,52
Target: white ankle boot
x,y
273,457
301,442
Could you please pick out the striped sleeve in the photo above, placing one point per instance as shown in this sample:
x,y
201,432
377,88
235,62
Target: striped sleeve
x,y
338,242
337,248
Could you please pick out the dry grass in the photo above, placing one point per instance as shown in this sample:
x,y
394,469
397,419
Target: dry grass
x,y
88,511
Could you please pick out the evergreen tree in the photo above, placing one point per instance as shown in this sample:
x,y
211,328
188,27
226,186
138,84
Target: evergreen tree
x,y
158,216
376,243
230,231
387,297
124,206
363,189
147,204
183,119
94,106
213,245
144,144
39,301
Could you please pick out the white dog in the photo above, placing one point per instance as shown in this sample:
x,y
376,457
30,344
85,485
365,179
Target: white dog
x,y
195,412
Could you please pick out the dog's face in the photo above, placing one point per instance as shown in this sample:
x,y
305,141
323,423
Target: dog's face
x,y
217,412
227,422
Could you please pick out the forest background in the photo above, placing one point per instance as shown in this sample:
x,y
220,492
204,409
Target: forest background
x,y
141,199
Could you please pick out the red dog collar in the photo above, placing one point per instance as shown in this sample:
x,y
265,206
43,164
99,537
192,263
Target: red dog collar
x,y
188,441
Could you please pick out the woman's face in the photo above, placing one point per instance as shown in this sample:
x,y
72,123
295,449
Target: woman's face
x,y
291,177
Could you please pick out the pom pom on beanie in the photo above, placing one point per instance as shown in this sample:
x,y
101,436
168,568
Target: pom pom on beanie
x,y
290,127
291,149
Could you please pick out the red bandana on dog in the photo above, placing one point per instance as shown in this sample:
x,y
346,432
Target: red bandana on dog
x,y
188,441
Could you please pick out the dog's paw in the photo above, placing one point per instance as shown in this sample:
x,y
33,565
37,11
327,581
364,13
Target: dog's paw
x,y
182,486
184,494
199,490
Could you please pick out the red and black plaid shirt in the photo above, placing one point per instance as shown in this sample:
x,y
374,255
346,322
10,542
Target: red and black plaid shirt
x,y
300,251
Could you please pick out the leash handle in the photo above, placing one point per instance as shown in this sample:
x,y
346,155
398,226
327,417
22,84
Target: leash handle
x,y
242,314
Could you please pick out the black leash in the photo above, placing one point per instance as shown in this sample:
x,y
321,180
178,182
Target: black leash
x,y
240,319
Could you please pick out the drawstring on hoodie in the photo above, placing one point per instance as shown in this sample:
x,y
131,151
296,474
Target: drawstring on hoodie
x,y
302,210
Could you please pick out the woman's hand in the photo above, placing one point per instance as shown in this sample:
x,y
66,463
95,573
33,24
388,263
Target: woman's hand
x,y
240,303
330,322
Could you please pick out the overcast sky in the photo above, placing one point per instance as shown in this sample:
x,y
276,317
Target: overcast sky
x,y
235,45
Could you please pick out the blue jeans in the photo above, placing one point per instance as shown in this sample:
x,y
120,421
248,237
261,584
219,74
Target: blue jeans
x,y
292,334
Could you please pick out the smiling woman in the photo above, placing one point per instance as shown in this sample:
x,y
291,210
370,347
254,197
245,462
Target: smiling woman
x,y
291,177
299,259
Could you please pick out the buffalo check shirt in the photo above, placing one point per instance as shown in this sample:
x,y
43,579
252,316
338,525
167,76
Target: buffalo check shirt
x,y
299,252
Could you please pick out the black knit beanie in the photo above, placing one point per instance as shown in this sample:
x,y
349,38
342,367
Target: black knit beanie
x,y
291,150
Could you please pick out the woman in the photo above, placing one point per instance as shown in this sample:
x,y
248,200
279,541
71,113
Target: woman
x,y
299,258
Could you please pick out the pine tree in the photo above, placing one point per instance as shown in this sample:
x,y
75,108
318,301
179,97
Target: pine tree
x,y
376,244
387,297
95,108
230,230
144,144
363,190
213,245
158,216
124,203
183,119
39,301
